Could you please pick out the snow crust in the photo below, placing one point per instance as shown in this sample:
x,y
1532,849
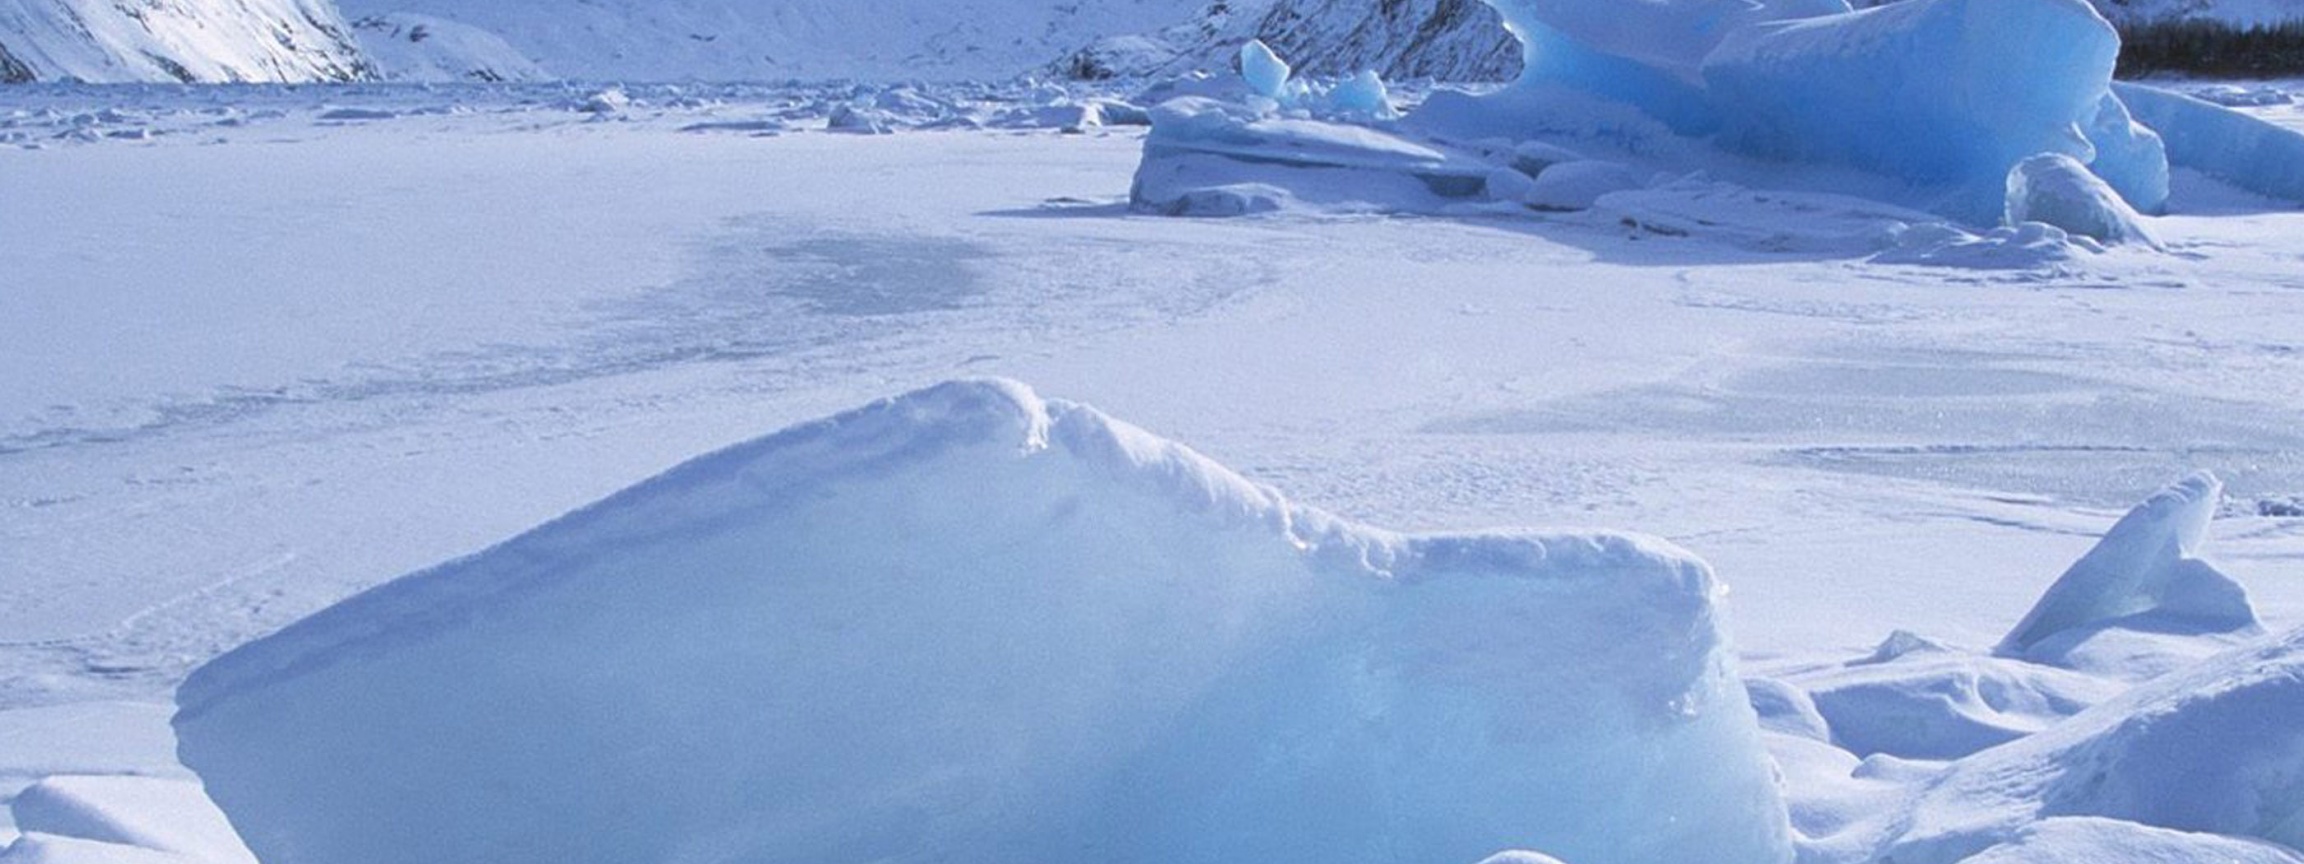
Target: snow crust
x,y
967,624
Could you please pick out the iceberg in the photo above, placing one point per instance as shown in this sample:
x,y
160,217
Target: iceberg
x,y
971,625
1948,93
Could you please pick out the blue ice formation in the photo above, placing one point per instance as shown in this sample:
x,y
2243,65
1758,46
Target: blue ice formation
x,y
1944,96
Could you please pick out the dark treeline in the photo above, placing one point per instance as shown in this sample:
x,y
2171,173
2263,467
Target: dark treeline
x,y
2213,49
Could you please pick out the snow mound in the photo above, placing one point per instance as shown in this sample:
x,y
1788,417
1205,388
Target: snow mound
x,y
121,819
2145,577
2214,748
1916,699
2056,189
968,625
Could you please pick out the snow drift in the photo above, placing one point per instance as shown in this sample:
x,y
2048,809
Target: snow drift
x,y
968,625
2214,748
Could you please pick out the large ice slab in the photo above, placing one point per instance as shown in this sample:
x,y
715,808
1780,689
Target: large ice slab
x,y
967,625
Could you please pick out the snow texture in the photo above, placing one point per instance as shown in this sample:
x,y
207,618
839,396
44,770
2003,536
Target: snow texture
x,y
2146,574
2082,840
2056,189
208,41
969,625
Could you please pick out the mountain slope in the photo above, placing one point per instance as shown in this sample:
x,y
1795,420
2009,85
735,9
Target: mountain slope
x,y
1455,40
176,40
665,40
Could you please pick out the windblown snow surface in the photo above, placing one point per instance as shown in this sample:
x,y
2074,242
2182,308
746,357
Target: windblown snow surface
x,y
270,348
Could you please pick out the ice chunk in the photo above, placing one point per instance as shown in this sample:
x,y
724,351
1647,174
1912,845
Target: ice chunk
x,y
2214,748
967,625
1577,185
2145,575
2248,152
1942,92
1265,72
1363,95
2129,156
2057,190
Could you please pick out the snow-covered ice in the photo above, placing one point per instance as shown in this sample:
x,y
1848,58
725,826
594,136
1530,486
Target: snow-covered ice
x,y
968,625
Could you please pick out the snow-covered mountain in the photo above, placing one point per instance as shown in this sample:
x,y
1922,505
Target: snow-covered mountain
x,y
176,40
754,40
1456,40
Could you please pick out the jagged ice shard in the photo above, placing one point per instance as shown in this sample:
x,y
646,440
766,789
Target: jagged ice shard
x,y
969,625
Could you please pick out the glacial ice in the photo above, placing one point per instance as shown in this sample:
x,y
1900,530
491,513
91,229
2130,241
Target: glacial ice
x,y
1940,92
1264,71
968,625
2248,152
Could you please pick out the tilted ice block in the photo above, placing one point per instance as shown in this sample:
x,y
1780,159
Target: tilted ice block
x,y
2146,573
967,625
1938,92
